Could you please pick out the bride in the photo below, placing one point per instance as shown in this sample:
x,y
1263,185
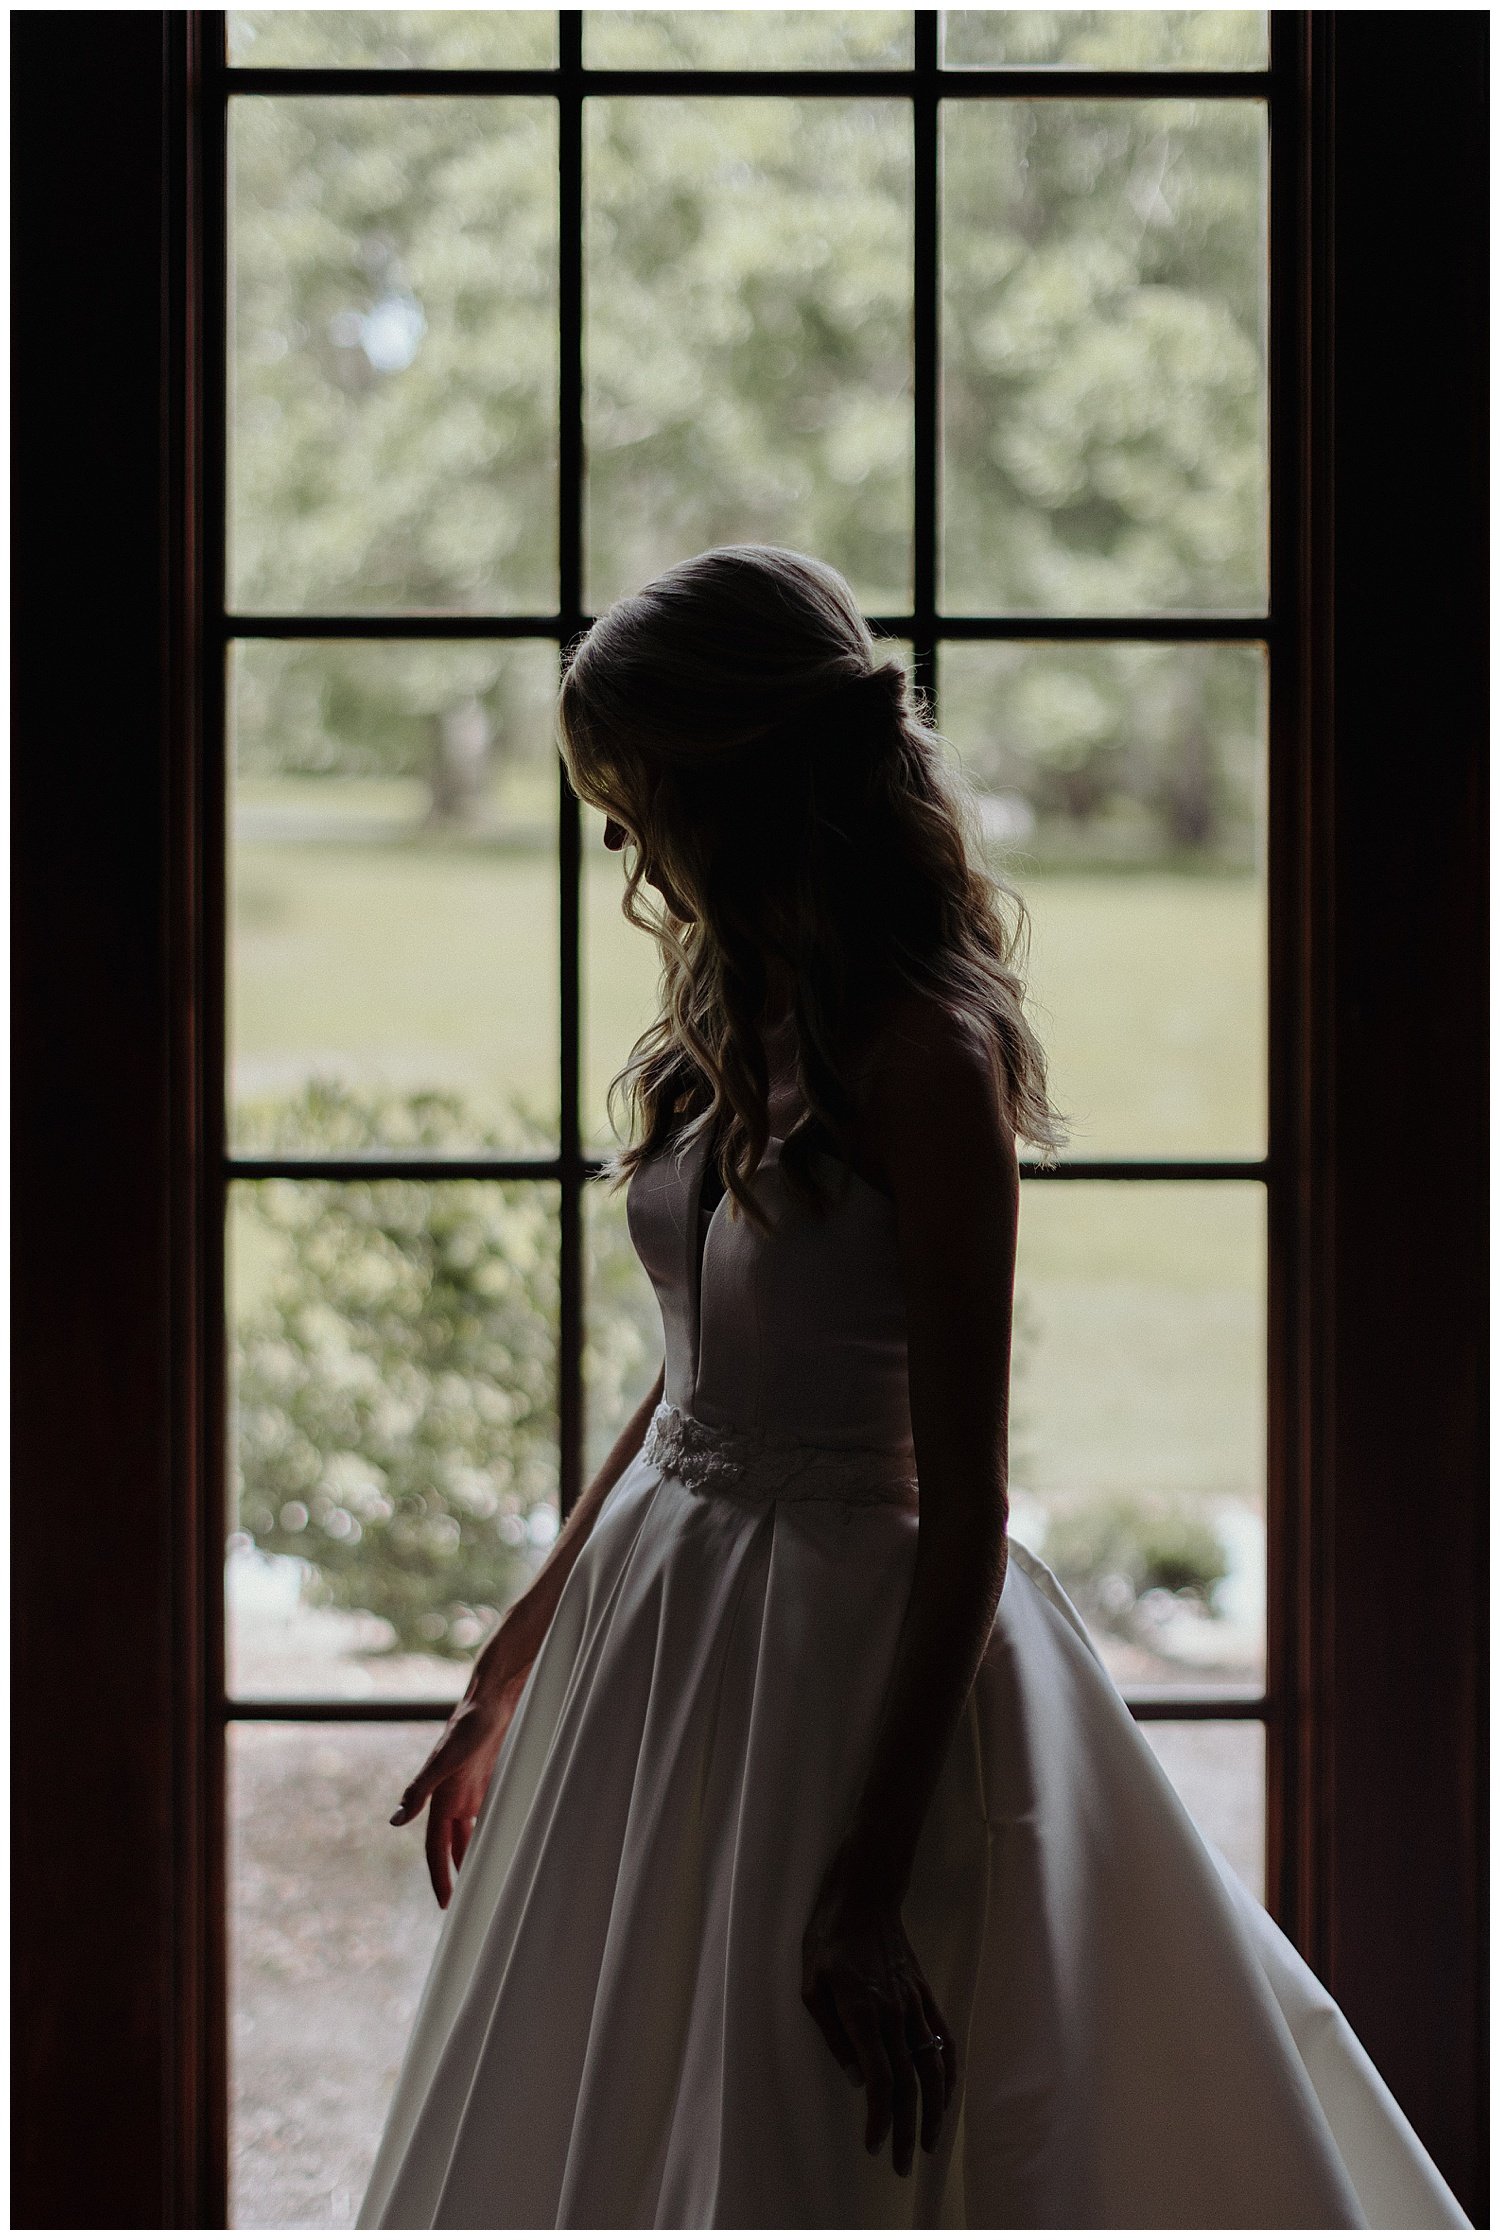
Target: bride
x,y
810,1869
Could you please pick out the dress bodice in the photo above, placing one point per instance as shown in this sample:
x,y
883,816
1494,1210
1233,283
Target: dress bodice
x,y
797,1335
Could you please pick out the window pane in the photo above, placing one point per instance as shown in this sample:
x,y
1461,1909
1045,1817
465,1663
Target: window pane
x,y
746,39
749,336
394,1381
1122,790
1218,1768
1106,38
393,440
393,38
394,887
623,1340
331,1931
1138,1420
1104,387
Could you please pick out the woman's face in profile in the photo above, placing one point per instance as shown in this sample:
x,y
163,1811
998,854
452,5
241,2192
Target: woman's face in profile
x,y
615,837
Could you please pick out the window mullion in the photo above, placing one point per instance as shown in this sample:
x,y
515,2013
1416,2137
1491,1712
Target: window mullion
x,y
570,1390
925,316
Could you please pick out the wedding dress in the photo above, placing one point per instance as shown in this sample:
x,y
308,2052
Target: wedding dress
x,y
612,2032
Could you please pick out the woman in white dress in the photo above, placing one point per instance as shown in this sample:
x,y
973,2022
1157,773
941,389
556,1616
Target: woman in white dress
x,y
809,1867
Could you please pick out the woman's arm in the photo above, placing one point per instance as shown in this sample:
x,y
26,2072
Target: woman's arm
x,y
519,1634
457,1771
936,1128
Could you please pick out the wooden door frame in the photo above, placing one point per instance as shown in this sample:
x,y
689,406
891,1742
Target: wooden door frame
x,y
117,1127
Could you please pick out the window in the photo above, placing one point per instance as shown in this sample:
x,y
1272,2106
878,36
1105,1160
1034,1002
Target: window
x,y
521,308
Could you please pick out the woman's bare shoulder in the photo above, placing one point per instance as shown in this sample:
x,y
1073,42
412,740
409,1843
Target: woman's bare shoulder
x,y
929,1084
919,1039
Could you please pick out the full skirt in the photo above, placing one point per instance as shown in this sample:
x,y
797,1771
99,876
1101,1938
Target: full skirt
x,y
612,2033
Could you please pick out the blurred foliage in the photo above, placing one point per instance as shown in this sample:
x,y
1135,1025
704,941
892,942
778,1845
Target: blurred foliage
x,y
394,297
395,1384
393,38
748,360
747,38
749,334
1131,756
1106,38
1124,1557
1103,356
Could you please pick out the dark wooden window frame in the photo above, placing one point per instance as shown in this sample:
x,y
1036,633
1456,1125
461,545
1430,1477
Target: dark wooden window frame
x,y
1373,1702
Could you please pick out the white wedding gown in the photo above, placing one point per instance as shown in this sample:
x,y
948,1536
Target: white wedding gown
x,y
612,2032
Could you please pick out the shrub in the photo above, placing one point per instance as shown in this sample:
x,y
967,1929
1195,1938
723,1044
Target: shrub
x,y
395,1384
1111,1552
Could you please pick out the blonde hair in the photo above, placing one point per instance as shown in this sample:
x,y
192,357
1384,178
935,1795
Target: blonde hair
x,y
779,783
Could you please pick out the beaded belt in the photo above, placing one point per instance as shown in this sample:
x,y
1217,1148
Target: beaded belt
x,y
754,1466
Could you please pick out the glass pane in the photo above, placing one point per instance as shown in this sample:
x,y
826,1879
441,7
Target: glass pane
x,y
1138,1420
394,1421
393,38
393,436
1122,789
1219,1771
623,1339
1104,384
331,1928
393,930
1105,38
746,39
749,336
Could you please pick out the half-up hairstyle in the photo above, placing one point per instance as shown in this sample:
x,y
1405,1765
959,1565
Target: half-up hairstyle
x,y
780,786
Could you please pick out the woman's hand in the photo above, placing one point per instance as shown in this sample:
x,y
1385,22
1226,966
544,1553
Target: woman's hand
x,y
863,1986
457,1771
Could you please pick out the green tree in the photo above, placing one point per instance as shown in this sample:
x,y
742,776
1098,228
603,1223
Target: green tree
x,y
748,356
1104,355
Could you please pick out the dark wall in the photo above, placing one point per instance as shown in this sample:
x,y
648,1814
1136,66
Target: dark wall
x,y
1405,1534
104,1883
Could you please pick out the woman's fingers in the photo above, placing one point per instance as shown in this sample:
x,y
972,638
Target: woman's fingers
x,y
472,1734
902,2054
438,1765
904,2091
817,1997
857,2012
463,1829
949,2052
437,1846
928,2058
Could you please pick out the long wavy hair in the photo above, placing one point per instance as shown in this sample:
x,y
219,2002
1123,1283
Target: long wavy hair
x,y
780,786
